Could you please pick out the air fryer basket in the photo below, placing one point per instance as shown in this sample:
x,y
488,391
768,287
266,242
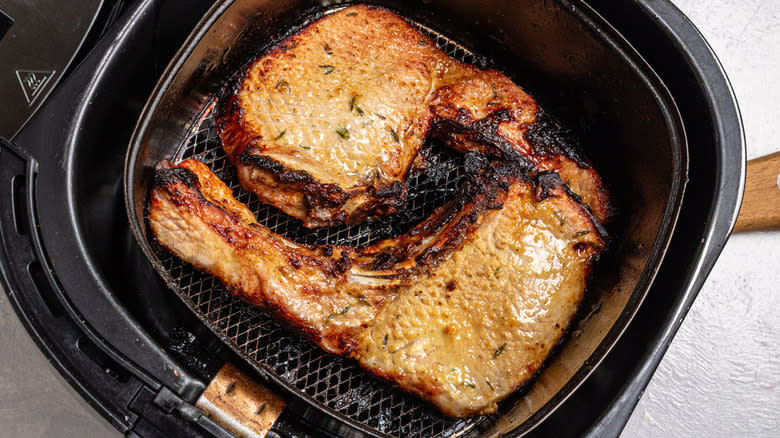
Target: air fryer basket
x,y
564,55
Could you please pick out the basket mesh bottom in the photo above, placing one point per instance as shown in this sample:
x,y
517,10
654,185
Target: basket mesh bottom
x,y
335,382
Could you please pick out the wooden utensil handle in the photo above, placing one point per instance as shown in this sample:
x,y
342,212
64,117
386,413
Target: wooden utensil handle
x,y
761,204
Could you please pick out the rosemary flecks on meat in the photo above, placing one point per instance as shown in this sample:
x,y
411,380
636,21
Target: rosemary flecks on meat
x,y
394,135
281,134
561,218
342,132
283,85
499,350
353,106
496,92
333,315
327,69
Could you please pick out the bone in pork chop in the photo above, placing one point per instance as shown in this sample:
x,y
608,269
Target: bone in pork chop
x,y
474,298
326,125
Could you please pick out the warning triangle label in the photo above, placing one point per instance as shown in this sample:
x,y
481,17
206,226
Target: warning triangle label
x,y
33,82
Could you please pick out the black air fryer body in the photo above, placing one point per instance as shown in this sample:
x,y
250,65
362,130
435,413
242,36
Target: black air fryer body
x,y
79,282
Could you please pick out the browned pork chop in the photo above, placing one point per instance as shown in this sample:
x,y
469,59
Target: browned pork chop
x,y
326,125
466,309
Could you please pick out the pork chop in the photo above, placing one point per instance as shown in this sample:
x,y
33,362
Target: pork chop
x,y
326,125
465,310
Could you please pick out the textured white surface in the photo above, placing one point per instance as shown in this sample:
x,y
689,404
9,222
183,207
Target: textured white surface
x,y
721,375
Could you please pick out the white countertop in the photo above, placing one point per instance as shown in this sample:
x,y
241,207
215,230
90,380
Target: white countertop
x,y
721,374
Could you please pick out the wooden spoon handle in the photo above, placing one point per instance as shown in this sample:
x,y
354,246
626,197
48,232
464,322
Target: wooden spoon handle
x,y
761,204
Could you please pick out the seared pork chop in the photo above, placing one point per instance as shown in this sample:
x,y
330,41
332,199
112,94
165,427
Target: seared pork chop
x,y
464,311
326,125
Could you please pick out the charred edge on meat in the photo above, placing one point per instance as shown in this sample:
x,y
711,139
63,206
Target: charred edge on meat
x,y
165,175
486,186
549,184
483,131
387,198
453,220
550,138
326,195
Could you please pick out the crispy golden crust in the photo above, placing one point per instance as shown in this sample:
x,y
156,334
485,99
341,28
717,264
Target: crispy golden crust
x,y
326,125
320,121
477,326
502,267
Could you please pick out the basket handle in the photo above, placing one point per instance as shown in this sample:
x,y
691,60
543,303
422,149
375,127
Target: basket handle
x,y
240,404
761,204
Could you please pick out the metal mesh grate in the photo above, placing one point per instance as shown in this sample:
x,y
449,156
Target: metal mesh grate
x,y
333,381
